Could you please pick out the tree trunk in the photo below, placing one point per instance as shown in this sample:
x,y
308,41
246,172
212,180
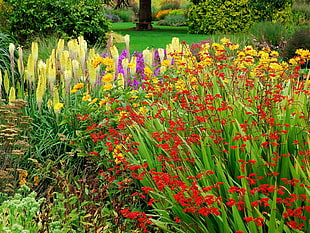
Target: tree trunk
x,y
145,15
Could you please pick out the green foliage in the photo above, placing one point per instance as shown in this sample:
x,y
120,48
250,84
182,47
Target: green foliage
x,y
272,10
301,13
121,15
268,33
31,18
17,214
213,16
300,39
170,5
5,41
173,20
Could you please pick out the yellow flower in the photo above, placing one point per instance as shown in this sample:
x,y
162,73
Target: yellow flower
x,y
58,106
149,95
135,105
131,65
108,61
148,71
165,63
98,61
274,54
78,86
143,110
73,91
102,102
86,97
107,78
107,86
225,40
93,101
233,46
122,114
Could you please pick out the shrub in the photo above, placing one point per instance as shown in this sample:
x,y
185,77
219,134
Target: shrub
x,y
269,33
300,39
69,19
213,16
173,20
170,5
301,13
272,10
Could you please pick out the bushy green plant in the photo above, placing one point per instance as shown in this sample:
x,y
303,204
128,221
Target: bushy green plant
x,y
269,33
18,213
170,5
301,13
173,20
212,16
300,39
272,10
71,19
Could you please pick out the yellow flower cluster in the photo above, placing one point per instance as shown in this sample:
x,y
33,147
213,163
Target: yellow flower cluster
x,y
117,154
77,87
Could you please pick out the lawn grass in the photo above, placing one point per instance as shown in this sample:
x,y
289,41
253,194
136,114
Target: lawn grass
x,y
162,35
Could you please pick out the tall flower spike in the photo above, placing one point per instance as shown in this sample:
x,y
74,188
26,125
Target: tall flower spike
x,y
35,51
20,64
12,95
92,72
51,73
40,91
6,82
29,72
12,62
120,80
60,47
148,57
75,70
73,48
64,56
161,53
115,56
127,43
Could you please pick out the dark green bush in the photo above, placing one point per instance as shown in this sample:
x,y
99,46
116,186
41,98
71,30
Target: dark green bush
x,y
301,13
300,39
173,20
170,5
68,19
272,10
212,16
269,33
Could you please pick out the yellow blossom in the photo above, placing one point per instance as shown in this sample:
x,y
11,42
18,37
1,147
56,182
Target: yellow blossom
x,y
73,91
93,101
86,97
108,77
135,105
122,115
274,54
233,46
107,86
225,40
149,95
97,61
58,106
147,71
78,86
165,63
143,110
102,102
